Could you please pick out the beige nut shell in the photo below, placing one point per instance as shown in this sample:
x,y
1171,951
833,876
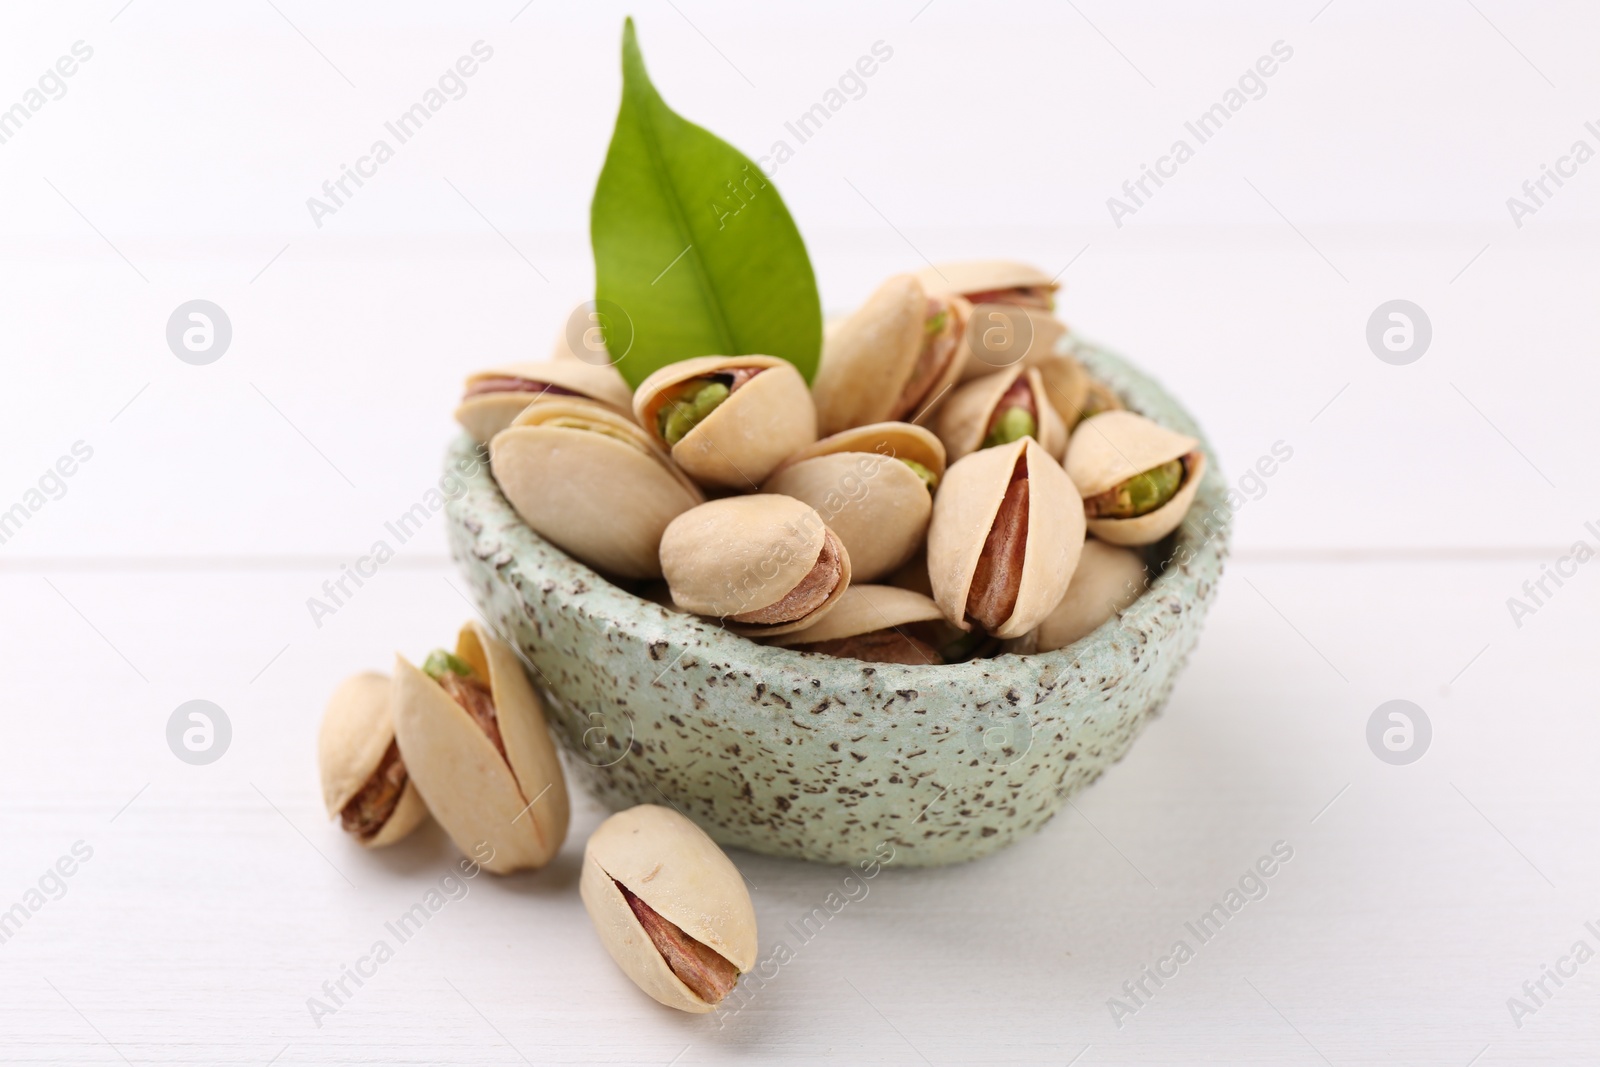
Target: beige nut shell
x,y
1002,335
487,414
865,609
669,863
986,352
356,730
767,419
963,422
869,358
1066,386
516,804
602,495
1108,579
1098,398
1113,446
876,504
964,512
744,553
968,276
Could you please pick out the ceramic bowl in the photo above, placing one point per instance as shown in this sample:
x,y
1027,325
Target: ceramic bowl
x,y
825,759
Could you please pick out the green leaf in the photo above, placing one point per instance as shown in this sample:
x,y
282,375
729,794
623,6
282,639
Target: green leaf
x,y
694,252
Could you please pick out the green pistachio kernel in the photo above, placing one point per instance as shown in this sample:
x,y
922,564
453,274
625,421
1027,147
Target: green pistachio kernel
x,y
935,324
1013,425
1143,493
929,479
688,406
439,662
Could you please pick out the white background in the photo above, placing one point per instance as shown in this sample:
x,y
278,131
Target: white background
x,y
1376,565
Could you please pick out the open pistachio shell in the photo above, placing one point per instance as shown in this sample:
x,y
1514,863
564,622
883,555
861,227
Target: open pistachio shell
x,y
1108,579
964,421
753,561
882,363
679,873
357,730
977,527
974,277
590,481
1098,399
1114,446
516,385
1003,335
1066,386
516,803
1011,311
866,609
765,419
858,482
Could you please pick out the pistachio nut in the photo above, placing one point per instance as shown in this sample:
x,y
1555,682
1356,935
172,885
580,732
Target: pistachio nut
x,y
590,481
765,564
992,281
1005,537
1098,399
914,574
1066,386
873,485
876,623
999,409
1012,311
494,397
1137,478
727,420
669,906
895,356
364,779
474,737
1108,579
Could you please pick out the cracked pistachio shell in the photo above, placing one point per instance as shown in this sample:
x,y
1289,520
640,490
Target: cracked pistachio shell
x,y
865,609
965,511
997,329
590,481
744,553
1108,579
767,419
963,422
487,414
357,728
1108,449
1098,399
1002,335
516,803
669,863
1066,385
877,505
969,276
868,360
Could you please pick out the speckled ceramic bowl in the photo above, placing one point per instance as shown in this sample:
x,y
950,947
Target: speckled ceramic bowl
x,y
829,759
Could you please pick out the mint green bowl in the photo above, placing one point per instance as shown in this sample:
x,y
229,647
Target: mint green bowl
x,y
825,759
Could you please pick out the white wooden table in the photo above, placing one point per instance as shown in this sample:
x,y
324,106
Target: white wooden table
x,y
1376,564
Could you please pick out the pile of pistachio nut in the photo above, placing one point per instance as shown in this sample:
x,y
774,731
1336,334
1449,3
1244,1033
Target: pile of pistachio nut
x,y
952,485
464,737
829,520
